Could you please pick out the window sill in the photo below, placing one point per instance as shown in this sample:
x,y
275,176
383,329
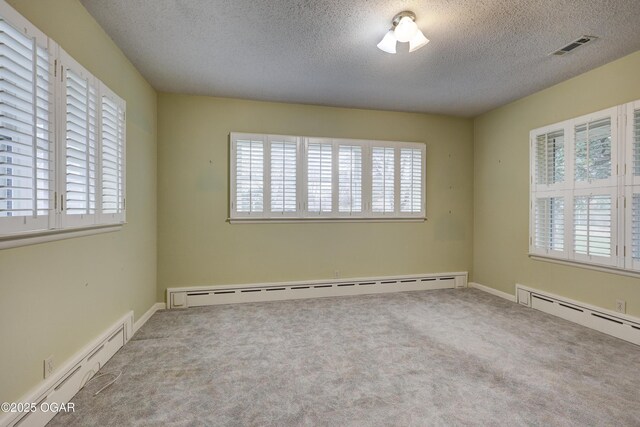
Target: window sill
x,y
321,220
572,263
33,238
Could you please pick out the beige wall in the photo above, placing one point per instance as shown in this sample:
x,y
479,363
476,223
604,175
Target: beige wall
x,y
198,247
501,189
56,297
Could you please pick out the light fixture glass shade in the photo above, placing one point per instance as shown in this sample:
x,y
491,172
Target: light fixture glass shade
x,y
417,41
388,43
406,29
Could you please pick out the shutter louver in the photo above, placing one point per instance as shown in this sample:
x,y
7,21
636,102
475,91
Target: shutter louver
x,y
284,156
592,228
635,227
549,224
249,176
635,161
319,177
80,145
25,130
112,151
550,160
593,150
410,180
383,180
350,179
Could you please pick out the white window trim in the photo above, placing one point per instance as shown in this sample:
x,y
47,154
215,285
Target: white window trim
x,y
302,214
620,186
21,231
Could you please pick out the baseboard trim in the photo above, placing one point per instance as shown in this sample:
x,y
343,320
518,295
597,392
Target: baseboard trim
x,y
610,322
142,320
492,291
232,294
72,376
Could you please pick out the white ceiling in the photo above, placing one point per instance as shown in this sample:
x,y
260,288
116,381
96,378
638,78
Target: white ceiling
x,y
483,53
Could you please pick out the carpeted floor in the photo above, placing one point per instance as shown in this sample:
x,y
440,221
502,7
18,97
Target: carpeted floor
x,y
444,357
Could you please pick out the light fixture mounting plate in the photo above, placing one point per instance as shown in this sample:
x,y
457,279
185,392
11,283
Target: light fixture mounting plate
x,y
399,16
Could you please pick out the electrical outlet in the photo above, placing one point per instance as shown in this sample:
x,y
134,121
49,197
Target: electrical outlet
x,y
49,366
621,306
336,274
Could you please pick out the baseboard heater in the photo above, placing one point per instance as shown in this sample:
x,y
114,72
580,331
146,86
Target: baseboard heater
x,y
231,294
70,378
616,324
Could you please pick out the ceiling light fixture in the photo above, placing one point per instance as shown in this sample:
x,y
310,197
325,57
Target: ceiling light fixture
x,y
403,29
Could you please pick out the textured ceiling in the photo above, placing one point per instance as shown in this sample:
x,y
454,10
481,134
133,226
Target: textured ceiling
x,y
483,53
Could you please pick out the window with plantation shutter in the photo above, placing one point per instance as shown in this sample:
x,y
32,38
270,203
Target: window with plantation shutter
x,y
550,158
634,229
593,151
593,226
80,157
284,175
319,177
112,151
26,125
349,179
549,224
249,175
411,180
62,141
635,143
297,178
383,179
598,221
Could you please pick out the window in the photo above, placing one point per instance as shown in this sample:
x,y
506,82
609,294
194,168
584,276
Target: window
x,y
61,157
585,189
350,179
383,180
319,177
324,178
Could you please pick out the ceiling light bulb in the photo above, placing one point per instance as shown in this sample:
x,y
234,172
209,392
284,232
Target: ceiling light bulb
x,y
388,43
406,29
417,41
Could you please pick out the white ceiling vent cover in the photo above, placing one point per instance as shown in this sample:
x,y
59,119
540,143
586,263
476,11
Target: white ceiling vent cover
x,y
574,45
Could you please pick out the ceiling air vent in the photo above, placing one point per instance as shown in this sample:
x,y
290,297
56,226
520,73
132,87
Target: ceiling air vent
x,y
574,45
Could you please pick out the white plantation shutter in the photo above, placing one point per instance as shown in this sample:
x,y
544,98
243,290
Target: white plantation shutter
x,y
319,177
594,153
26,106
79,203
112,150
635,143
549,158
275,177
383,180
53,139
635,229
284,176
349,179
249,175
549,225
594,228
411,180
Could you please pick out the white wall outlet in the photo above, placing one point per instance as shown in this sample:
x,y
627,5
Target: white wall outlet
x,y
336,274
49,366
621,306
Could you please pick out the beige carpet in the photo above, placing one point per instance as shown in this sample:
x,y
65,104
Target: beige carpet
x,y
444,357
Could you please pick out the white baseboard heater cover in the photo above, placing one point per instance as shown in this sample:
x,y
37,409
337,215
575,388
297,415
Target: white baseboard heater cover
x,y
63,385
232,294
616,324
